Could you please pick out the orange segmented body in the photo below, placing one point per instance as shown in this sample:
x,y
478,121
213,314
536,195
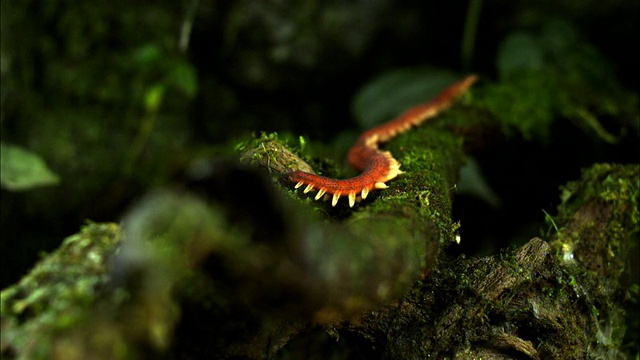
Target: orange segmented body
x,y
376,166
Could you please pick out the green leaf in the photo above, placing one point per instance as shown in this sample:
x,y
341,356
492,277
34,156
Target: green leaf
x,y
183,75
21,169
153,98
390,94
472,182
147,55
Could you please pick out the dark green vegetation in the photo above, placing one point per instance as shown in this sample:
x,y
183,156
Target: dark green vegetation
x,y
102,105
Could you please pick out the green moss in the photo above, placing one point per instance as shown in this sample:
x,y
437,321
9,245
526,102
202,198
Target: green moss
x,y
57,295
431,156
550,73
266,150
524,103
614,190
597,228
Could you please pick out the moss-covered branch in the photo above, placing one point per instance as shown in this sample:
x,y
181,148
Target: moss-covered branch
x,y
540,301
201,289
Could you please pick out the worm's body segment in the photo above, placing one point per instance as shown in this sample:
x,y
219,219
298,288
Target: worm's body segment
x,y
376,166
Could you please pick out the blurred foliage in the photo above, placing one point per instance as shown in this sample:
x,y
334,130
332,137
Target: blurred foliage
x,y
85,53
553,72
272,45
87,94
100,92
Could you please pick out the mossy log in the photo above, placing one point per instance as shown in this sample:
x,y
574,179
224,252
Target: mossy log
x,y
242,271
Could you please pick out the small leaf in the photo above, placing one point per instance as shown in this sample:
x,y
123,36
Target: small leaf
x,y
21,169
184,76
153,98
147,55
590,123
